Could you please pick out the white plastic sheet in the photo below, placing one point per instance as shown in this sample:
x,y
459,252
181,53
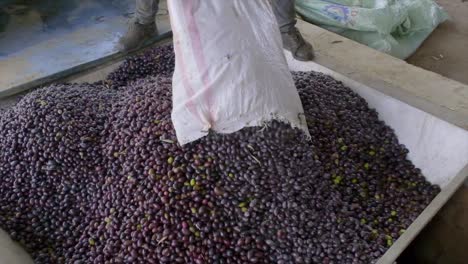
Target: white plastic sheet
x,y
11,252
230,68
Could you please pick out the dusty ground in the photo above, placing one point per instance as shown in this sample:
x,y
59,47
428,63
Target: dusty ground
x,y
446,50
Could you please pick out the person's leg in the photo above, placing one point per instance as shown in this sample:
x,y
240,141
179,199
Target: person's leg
x,y
285,14
292,38
146,11
142,27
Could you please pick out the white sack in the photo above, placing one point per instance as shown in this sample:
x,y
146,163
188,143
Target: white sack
x,y
230,69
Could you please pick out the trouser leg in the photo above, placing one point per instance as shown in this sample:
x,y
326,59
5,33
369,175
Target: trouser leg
x,y
285,14
146,11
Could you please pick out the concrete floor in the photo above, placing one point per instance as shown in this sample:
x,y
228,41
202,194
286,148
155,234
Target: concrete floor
x,y
28,23
446,50
41,39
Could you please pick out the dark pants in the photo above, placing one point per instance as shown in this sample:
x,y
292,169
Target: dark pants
x,y
284,11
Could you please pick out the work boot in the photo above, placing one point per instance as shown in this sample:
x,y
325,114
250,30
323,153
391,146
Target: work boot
x,y
136,35
295,43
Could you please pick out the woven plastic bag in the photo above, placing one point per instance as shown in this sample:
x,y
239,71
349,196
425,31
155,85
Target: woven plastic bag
x,y
396,27
230,70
